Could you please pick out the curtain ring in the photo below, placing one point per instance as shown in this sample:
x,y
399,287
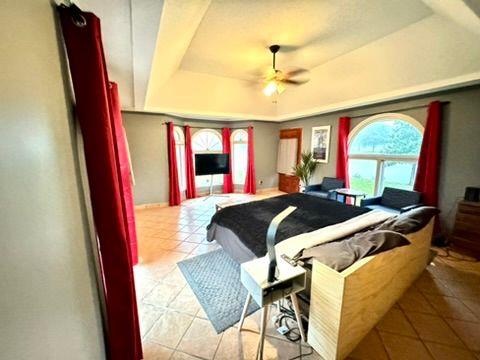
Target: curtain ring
x,y
79,20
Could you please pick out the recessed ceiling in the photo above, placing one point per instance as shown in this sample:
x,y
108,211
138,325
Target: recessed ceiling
x,y
202,58
233,36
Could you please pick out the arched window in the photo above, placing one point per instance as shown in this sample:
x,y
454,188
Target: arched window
x,y
180,155
203,142
239,160
383,152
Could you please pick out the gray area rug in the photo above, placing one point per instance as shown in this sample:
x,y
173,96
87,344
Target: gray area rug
x,y
215,279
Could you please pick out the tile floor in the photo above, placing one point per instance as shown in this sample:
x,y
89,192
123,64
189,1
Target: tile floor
x,y
437,318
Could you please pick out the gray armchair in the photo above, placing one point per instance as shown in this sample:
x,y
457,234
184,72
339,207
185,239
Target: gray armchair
x,y
326,189
394,200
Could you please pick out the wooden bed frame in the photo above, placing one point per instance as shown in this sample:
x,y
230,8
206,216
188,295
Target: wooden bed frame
x,y
345,306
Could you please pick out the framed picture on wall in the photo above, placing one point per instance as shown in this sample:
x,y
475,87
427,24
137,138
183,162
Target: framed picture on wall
x,y
321,143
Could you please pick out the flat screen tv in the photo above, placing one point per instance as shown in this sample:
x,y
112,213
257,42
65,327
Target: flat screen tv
x,y
211,164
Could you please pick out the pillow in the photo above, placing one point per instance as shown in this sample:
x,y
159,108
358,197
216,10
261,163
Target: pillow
x,y
339,255
410,221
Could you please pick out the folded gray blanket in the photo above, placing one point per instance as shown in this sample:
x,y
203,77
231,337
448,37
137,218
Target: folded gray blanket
x,y
340,254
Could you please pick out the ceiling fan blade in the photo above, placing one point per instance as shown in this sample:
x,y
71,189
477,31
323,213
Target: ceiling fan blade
x,y
295,82
296,72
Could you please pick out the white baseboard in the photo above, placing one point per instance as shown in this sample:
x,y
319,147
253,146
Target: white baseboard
x,y
261,191
201,194
152,205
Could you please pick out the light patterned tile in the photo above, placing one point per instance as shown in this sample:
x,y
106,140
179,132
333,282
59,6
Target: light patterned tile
x,y
175,277
169,329
162,294
143,285
204,248
190,228
186,302
196,238
444,352
152,351
465,290
178,355
474,306
396,322
200,339
370,348
404,348
186,247
427,284
414,300
243,345
451,308
180,236
148,315
433,328
469,332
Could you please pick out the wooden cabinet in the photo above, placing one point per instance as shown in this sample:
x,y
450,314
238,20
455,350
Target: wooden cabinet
x,y
466,233
290,183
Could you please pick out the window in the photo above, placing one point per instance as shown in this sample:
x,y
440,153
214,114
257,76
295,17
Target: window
x,y
180,155
383,151
207,141
239,156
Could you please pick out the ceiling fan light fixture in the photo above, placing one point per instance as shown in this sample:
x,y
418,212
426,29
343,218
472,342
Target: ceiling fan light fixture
x,y
271,88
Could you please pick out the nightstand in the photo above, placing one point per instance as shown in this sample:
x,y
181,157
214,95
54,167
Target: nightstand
x,y
290,280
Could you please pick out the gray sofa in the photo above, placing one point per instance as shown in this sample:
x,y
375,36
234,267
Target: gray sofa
x,y
394,200
326,189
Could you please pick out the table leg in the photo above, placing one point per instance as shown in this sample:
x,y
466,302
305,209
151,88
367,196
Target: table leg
x,y
263,329
296,308
244,312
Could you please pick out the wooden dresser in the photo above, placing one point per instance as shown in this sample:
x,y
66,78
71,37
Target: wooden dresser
x,y
290,183
466,233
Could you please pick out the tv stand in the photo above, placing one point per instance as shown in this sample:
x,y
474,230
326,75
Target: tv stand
x,y
210,192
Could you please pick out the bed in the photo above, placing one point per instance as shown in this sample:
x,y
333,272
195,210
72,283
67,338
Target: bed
x,y
241,229
344,305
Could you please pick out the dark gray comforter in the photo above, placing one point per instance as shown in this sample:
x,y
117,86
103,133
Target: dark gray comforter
x,y
249,222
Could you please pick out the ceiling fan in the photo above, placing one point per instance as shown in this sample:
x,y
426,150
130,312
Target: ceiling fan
x,y
275,79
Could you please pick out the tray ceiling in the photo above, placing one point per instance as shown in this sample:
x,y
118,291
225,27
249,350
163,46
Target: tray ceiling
x,y
203,58
233,36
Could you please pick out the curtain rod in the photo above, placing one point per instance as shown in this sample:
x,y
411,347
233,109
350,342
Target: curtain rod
x,y
207,127
75,12
398,110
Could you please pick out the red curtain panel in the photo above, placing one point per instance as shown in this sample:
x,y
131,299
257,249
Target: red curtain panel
x,y
93,109
189,171
174,197
250,182
227,178
123,165
426,180
342,151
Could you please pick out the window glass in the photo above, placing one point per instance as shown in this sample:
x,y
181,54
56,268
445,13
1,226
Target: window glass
x,y
362,175
180,156
239,156
398,174
205,141
390,137
384,154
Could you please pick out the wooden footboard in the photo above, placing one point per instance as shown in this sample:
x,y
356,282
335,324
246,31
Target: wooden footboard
x,y
345,306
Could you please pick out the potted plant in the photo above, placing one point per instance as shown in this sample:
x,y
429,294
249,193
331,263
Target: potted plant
x,y
305,169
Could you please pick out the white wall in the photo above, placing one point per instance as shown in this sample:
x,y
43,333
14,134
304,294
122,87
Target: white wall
x,y
49,307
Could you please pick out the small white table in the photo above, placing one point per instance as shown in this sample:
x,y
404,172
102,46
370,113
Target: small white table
x,y
290,280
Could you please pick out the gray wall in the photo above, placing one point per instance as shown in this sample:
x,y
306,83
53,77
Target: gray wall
x,y
49,307
460,147
460,166
148,149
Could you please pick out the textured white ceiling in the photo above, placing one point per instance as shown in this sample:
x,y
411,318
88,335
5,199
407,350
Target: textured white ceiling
x,y
233,37
203,53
